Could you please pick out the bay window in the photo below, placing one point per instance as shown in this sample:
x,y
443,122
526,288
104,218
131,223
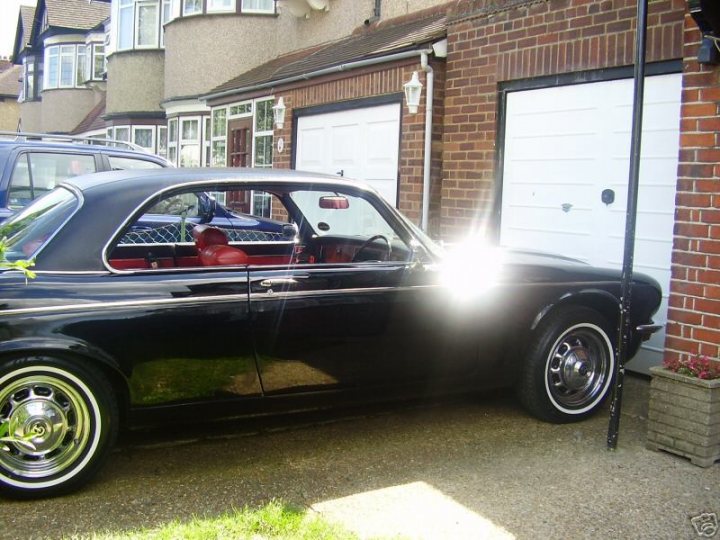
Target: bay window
x,y
71,66
140,23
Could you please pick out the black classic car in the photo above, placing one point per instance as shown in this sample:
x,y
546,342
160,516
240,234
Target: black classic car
x,y
348,301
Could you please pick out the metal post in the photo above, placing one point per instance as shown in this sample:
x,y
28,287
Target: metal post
x,y
630,221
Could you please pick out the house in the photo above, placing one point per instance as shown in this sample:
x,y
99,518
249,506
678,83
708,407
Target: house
x,y
9,92
527,140
61,47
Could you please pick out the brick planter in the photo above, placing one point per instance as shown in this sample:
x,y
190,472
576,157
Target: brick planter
x,y
684,416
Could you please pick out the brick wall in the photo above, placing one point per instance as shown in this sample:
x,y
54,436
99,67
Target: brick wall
x,y
375,82
695,287
488,45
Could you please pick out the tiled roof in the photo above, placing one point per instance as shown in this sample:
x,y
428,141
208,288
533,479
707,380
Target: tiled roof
x,y
93,121
26,19
367,44
77,14
10,82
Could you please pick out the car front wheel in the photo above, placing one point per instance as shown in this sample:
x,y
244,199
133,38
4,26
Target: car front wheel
x,y
57,423
568,365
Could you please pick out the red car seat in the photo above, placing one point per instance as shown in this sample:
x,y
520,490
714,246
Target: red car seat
x,y
213,248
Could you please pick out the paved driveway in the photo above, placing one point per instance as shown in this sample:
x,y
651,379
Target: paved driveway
x,y
470,468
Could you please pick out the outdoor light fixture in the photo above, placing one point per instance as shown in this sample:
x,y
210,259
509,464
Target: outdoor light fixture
x,y
279,113
706,14
413,89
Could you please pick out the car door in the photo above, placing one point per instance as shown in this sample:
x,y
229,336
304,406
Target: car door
x,y
331,320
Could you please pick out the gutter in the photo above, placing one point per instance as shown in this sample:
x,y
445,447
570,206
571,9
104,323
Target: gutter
x,y
319,73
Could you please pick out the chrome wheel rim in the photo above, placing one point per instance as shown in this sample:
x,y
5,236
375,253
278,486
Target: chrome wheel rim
x,y
49,426
578,368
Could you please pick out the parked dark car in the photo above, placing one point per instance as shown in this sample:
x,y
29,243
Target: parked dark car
x,y
349,302
32,164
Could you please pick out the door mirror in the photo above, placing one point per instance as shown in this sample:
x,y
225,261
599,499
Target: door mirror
x,y
289,231
334,202
206,208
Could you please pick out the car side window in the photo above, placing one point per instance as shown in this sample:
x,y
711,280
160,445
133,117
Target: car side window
x,y
36,173
123,163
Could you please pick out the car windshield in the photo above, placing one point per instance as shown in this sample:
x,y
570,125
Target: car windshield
x,y
27,231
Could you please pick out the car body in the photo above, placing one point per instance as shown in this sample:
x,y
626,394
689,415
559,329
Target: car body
x,y
349,302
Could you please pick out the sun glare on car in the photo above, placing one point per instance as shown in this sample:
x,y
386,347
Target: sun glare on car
x,y
471,268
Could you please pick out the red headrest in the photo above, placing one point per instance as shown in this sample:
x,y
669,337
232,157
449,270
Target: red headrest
x,y
205,236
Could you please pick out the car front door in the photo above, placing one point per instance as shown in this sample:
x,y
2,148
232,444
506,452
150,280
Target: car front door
x,y
352,311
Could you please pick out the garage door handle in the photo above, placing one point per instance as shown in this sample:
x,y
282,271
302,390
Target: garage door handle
x,y
566,207
341,172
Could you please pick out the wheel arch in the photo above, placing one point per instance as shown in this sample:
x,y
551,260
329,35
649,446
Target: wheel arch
x,y
74,351
597,299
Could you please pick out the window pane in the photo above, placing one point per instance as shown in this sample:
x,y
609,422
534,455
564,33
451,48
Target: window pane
x,y
122,134
125,25
143,137
49,169
189,155
20,189
172,154
265,6
52,67
192,6
190,130
221,5
67,61
98,61
263,151
218,154
264,116
162,141
219,126
80,67
147,24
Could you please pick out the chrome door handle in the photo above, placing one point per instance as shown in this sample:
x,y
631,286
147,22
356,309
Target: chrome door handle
x,y
274,282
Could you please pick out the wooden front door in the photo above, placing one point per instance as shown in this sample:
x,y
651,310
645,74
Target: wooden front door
x,y
240,155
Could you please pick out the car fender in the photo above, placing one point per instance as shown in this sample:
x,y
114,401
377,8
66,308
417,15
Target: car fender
x,y
600,300
64,347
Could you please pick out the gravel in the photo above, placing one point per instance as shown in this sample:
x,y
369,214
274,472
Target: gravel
x,y
462,468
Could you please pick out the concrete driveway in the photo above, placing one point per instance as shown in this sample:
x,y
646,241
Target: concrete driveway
x,y
468,468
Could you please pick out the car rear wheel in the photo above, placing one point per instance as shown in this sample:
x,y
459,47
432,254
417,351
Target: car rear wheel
x,y
57,423
568,365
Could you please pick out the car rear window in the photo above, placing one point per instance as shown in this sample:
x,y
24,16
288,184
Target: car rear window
x,y
36,173
27,231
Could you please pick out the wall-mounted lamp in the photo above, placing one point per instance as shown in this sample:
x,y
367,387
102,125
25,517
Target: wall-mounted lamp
x,y
706,14
279,113
413,90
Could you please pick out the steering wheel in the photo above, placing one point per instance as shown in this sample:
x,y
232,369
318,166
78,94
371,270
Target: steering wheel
x,y
367,243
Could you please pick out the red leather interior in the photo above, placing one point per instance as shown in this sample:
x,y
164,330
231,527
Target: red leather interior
x,y
213,248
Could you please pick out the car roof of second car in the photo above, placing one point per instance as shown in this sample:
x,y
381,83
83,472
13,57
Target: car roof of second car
x,y
9,145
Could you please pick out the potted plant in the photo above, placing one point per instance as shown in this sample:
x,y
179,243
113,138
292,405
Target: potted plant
x,y
684,415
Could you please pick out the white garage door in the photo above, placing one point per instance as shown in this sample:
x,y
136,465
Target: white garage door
x,y
361,144
563,147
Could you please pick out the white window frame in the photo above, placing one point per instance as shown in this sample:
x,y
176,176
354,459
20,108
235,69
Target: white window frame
x,y
173,143
212,8
149,128
243,9
167,14
124,129
81,68
181,121
158,23
129,7
70,53
222,138
94,76
264,133
51,52
160,152
185,13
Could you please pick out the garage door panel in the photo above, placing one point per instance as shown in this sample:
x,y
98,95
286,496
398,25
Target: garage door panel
x,y
568,144
363,143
